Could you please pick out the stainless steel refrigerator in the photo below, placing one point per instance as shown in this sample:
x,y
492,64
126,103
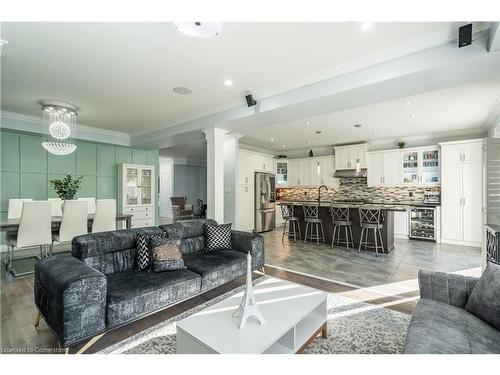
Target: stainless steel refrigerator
x,y
265,200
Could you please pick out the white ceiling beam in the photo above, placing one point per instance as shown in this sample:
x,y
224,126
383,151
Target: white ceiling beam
x,y
33,124
431,69
494,37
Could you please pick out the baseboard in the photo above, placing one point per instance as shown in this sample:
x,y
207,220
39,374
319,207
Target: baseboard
x,y
461,243
401,236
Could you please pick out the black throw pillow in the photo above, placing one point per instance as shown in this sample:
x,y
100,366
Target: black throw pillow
x,y
217,237
143,253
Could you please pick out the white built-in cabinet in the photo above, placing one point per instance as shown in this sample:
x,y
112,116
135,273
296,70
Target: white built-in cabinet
x,y
136,193
416,166
249,162
383,168
346,157
461,192
401,224
312,171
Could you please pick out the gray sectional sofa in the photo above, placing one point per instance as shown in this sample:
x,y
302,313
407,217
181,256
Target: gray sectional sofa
x,y
97,288
442,325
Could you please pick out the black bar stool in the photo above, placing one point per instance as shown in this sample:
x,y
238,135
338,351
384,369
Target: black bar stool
x,y
313,222
340,219
293,222
371,219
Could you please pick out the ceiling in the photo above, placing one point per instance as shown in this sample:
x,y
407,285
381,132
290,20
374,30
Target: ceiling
x,y
452,109
193,151
121,75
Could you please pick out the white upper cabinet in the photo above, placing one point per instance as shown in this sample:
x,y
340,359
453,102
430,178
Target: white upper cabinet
x,y
346,157
249,163
312,171
383,168
342,158
420,166
305,172
375,172
294,172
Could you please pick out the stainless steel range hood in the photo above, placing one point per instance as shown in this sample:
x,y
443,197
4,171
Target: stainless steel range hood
x,y
350,173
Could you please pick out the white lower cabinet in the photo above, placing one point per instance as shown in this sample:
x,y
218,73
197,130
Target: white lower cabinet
x,y
245,208
279,216
461,192
401,225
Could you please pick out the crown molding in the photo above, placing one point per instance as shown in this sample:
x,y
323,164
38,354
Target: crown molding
x,y
35,124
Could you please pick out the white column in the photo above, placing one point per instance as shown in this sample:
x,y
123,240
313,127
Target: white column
x,y
215,173
231,146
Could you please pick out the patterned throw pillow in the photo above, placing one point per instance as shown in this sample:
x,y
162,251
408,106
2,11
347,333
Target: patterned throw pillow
x,y
166,254
143,256
217,237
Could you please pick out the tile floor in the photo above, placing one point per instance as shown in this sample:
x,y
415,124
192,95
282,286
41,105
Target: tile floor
x,y
364,269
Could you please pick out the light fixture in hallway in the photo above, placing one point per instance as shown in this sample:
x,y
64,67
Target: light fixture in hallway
x,y
61,122
199,29
358,163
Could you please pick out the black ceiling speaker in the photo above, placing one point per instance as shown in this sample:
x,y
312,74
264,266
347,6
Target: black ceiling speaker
x,y
250,100
465,35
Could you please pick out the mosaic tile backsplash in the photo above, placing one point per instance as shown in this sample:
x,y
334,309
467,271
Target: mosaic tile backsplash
x,y
357,189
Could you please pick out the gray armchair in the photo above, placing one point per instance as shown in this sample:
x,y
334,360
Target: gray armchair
x,y
180,208
441,324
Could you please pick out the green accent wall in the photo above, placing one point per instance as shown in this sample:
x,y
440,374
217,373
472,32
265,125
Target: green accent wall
x,y
26,167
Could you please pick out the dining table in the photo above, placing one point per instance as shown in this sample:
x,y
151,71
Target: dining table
x,y
12,225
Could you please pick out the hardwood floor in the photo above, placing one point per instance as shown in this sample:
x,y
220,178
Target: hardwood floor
x,y
18,334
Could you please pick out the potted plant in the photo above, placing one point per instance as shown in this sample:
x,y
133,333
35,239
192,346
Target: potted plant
x,y
401,145
66,188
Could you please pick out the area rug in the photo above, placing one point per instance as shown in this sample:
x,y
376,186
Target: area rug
x,y
354,327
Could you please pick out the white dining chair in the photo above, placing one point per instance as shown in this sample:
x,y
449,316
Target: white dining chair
x,y
74,222
56,206
15,207
34,230
90,203
105,216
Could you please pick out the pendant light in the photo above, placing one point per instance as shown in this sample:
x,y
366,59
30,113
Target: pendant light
x,y
358,164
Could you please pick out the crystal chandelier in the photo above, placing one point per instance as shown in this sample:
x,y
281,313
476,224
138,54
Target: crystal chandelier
x,y
61,120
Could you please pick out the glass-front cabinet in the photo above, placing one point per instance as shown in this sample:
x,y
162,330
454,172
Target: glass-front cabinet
x,y
136,195
282,173
420,166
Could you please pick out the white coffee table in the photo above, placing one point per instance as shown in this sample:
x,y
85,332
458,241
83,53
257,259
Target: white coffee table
x,y
294,315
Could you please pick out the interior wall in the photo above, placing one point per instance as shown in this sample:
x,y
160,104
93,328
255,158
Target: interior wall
x,y
190,181
26,167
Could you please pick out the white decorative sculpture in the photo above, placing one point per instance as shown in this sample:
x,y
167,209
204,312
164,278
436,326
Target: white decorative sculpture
x,y
248,307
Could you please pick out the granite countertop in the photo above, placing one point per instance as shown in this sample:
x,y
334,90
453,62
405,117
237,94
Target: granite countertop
x,y
396,206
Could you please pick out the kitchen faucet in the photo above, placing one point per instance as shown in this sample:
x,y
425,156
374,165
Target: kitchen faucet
x,y
319,193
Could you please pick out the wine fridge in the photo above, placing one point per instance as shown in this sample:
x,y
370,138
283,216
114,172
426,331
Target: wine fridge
x,y
423,223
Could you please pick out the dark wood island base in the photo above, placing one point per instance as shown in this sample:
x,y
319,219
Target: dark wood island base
x,y
324,214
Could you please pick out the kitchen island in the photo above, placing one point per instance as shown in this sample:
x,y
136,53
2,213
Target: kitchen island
x,y
387,218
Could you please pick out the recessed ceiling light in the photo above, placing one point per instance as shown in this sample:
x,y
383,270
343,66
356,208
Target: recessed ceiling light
x,y
307,123
272,139
408,104
413,115
199,29
365,26
374,133
228,82
308,142
182,90
283,146
417,126
339,138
